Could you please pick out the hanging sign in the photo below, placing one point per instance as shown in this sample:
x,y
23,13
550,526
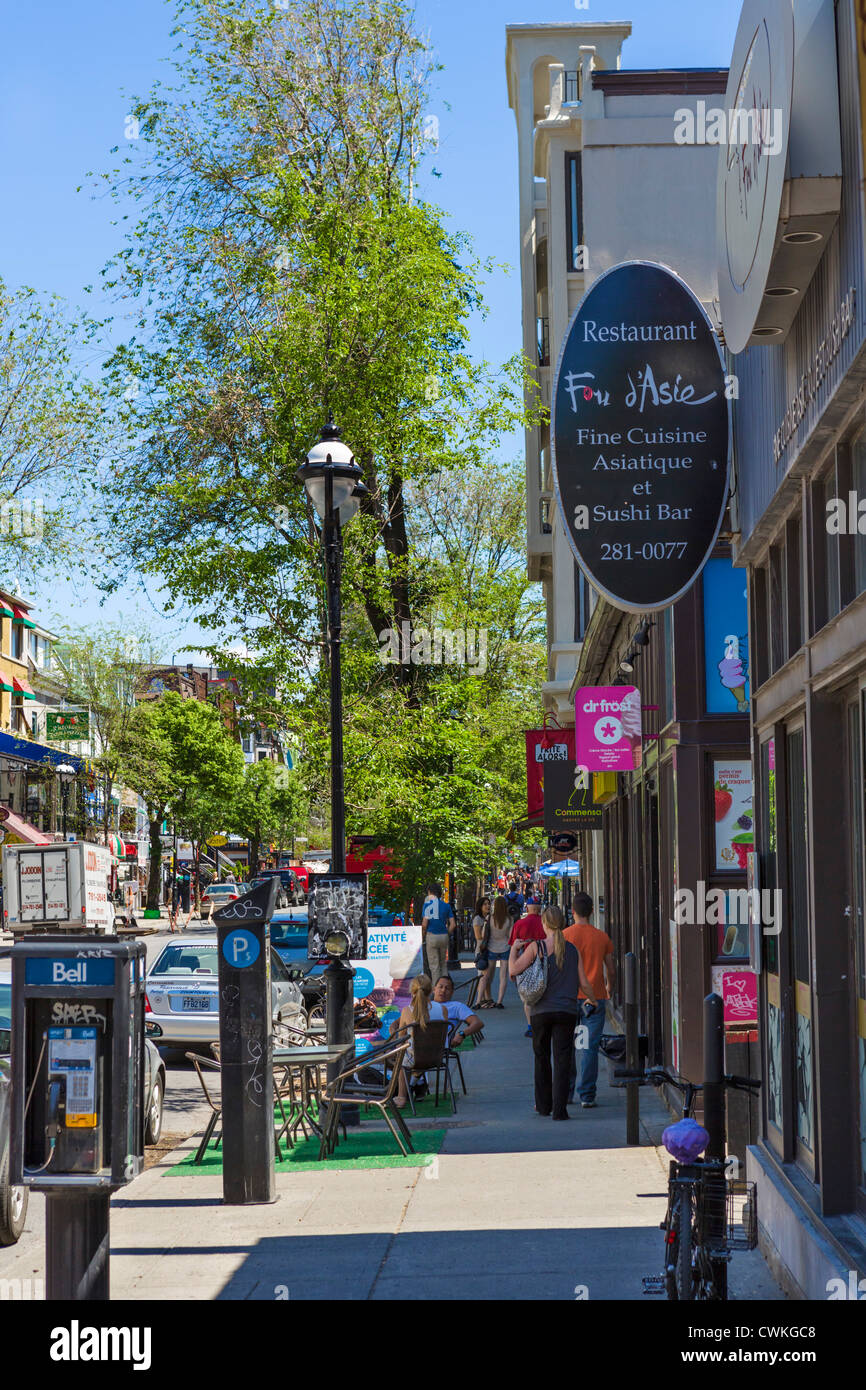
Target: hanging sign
x,y
640,435
608,728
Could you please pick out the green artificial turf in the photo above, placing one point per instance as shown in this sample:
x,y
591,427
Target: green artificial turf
x,y
362,1150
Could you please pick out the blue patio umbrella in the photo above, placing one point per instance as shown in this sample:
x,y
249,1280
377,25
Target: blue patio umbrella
x,y
566,868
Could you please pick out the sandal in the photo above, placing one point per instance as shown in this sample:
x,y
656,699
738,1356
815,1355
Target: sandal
x,y
486,1004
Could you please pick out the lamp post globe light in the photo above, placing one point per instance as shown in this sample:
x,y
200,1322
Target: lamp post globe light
x,y
333,482
67,774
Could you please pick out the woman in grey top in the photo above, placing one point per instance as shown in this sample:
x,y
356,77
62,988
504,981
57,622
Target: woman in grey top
x,y
554,1016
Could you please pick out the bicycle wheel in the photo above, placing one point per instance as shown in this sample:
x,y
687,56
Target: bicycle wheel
x,y
684,1273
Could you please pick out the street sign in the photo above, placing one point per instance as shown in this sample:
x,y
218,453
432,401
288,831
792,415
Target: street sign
x,y
641,436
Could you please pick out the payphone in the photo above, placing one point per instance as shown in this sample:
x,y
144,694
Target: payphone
x,y
77,1062
78,1094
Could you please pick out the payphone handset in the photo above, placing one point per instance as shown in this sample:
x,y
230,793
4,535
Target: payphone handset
x,y
72,1062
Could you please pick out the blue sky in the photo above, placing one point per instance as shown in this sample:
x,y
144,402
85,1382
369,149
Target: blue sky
x,y
66,74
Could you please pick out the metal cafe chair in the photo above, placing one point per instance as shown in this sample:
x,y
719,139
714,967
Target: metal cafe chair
x,y
201,1065
429,1050
348,1089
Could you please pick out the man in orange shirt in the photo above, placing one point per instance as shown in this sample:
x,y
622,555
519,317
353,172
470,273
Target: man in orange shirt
x,y
596,952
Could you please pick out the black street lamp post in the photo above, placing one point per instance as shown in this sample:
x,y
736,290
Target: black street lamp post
x,y
333,482
66,773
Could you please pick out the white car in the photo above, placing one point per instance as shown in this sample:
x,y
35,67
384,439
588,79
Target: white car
x,y
182,994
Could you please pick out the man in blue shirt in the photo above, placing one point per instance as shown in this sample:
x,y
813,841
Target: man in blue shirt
x,y
437,920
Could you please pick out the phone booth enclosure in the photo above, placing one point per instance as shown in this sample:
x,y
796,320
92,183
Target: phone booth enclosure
x,y
77,1062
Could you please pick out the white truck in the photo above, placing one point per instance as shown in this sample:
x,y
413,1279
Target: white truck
x,y
59,887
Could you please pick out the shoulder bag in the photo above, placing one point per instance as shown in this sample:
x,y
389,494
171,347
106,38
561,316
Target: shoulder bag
x,y
532,982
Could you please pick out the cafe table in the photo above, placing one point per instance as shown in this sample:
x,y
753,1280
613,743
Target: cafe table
x,y
303,1060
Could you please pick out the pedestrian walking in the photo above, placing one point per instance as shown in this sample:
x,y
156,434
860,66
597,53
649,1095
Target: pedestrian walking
x,y
498,950
554,1015
529,928
481,928
437,922
596,953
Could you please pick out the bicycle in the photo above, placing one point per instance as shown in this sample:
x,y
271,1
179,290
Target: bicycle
x,y
709,1215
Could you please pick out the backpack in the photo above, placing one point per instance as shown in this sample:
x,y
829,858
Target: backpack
x,y
532,982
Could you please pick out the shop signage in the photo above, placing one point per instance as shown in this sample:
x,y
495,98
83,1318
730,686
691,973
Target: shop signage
x,y
726,639
608,728
641,436
217,841
568,799
544,746
732,810
67,726
807,389
751,173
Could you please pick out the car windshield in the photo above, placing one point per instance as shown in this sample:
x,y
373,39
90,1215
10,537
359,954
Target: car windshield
x,y
187,960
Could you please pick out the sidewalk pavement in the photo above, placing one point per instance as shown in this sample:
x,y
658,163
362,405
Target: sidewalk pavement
x,y
514,1206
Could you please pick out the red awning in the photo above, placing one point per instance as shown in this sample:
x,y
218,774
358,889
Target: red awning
x,y
19,615
23,688
16,825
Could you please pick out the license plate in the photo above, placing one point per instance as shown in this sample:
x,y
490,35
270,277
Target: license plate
x,y
195,1001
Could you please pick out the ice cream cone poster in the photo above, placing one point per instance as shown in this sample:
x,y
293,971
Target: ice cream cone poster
x,y
608,728
733,813
726,641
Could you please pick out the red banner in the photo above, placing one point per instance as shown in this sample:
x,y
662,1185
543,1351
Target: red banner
x,y
544,745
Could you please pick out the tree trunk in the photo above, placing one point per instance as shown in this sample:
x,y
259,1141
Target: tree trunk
x,y
196,885
154,877
255,845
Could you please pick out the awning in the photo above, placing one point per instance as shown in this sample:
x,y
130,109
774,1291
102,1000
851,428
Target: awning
x,y
6,683
20,829
22,688
5,610
25,750
117,846
19,615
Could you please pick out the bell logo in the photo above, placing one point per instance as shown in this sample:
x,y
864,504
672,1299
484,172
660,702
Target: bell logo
x,y
62,974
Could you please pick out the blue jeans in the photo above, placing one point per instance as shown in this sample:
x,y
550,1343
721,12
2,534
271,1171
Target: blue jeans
x,y
585,1072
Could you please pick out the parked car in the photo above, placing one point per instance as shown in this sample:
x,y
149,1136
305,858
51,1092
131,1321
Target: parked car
x,y
290,893
217,895
182,994
154,1092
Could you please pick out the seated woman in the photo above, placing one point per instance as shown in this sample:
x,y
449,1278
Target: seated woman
x,y
421,1010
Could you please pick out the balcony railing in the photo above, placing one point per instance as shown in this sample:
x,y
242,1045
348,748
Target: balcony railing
x,y
572,86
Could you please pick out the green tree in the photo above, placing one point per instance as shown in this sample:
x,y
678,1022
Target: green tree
x,y
54,433
179,755
263,809
103,669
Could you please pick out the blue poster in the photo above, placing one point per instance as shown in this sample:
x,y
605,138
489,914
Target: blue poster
x,y
726,638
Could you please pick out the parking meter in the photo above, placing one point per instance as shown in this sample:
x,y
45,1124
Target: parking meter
x,y
77,1063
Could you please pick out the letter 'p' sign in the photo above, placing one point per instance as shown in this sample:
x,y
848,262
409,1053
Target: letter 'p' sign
x,y
241,948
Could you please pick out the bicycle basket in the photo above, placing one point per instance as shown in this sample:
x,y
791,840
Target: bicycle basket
x,y
737,1224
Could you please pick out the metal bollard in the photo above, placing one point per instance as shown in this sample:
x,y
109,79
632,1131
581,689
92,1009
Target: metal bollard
x,y
632,1088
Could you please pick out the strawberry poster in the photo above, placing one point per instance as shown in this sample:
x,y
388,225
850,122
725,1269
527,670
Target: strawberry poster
x,y
733,812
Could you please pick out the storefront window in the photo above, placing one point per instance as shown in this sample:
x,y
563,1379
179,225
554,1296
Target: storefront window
x,y
770,944
798,917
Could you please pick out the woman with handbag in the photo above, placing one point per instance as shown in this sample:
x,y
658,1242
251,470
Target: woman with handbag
x,y
481,928
548,975
498,949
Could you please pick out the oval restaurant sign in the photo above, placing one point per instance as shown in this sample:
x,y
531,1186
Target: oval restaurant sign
x,y
640,433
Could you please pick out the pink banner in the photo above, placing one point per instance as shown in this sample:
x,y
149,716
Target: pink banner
x,y
608,728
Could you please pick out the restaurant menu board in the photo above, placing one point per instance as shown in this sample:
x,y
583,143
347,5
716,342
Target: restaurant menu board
x,y
43,892
732,809
97,870
641,436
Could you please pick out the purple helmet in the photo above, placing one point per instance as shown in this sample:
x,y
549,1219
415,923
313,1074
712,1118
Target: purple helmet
x,y
686,1140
